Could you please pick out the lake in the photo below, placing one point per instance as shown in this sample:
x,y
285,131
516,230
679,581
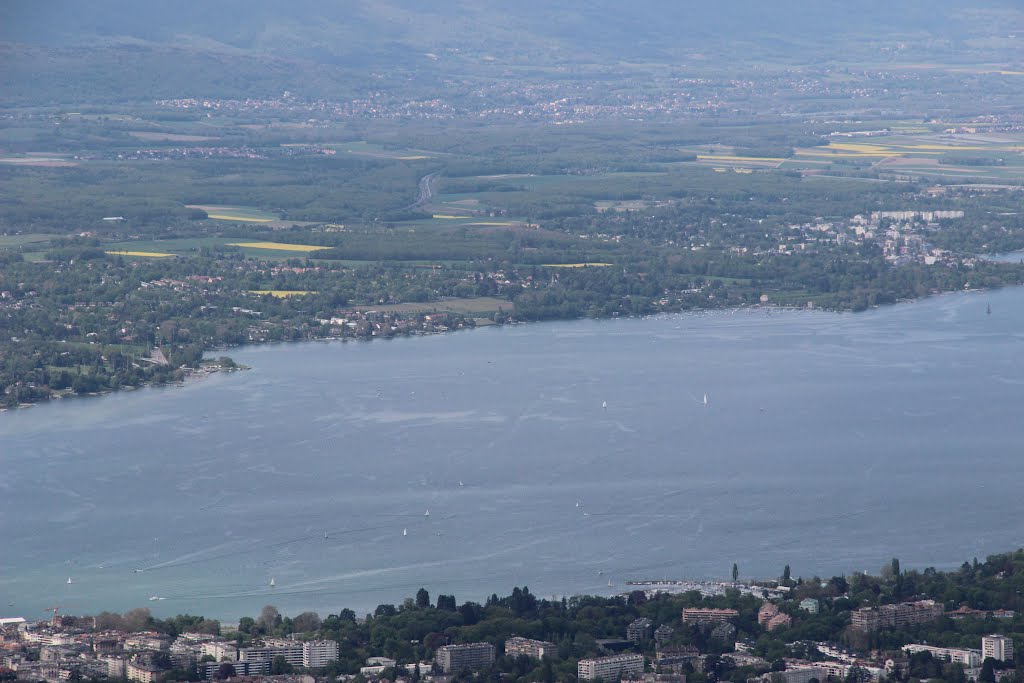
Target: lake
x,y
352,474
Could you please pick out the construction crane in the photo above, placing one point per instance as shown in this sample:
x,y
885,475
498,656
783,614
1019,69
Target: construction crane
x,y
53,621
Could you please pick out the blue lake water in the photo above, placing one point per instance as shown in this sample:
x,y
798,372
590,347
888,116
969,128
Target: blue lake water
x,y
830,442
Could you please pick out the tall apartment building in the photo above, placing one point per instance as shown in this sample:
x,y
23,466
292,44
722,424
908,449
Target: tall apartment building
x,y
767,611
455,658
902,614
310,655
997,647
610,668
700,615
209,669
663,634
514,647
290,650
317,653
639,630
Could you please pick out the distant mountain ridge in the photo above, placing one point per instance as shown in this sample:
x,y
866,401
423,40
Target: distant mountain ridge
x,y
332,30
70,51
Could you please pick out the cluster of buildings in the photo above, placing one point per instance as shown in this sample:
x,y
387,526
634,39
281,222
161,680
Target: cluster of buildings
x,y
771,618
899,615
70,647
903,236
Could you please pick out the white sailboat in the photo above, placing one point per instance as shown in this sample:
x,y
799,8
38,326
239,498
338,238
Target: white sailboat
x,y
272,582
405,532
604,405
427,513
69,580
610,584
705,399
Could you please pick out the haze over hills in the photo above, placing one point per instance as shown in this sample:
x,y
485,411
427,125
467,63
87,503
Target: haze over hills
x,y
116,50
324,30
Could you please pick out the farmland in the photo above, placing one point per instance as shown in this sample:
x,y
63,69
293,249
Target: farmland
x,y
245,214
276,246
141,254
515,192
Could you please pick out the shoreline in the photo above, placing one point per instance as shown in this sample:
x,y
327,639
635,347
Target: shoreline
x,y
192,375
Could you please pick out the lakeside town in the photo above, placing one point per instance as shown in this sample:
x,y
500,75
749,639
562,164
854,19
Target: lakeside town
x,y
789,630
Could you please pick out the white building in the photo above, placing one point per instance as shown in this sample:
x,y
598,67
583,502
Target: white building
x,y
997,647
610,668
969,658
291,651
117,667
455,658
221,650
537,649
809,605
795,674
318,653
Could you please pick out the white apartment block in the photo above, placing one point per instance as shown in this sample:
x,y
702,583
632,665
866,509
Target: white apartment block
x,y
795,674
969,658
455,658
318,653
610,668
291,651
997,647
221,650
536,649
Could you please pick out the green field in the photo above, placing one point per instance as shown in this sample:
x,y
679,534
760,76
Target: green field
x,y
378,151
7,241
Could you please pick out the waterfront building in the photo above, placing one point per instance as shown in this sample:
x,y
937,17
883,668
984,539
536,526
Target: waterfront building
x,y
610,668
536,649
997,647
455,658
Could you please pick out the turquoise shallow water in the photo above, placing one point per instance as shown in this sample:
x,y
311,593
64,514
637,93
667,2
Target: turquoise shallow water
x,y
830,442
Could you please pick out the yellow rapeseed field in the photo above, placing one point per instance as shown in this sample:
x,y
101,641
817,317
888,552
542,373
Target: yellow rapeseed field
x,y
276,246
730,157
947,148
148,254
244,219
282,293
